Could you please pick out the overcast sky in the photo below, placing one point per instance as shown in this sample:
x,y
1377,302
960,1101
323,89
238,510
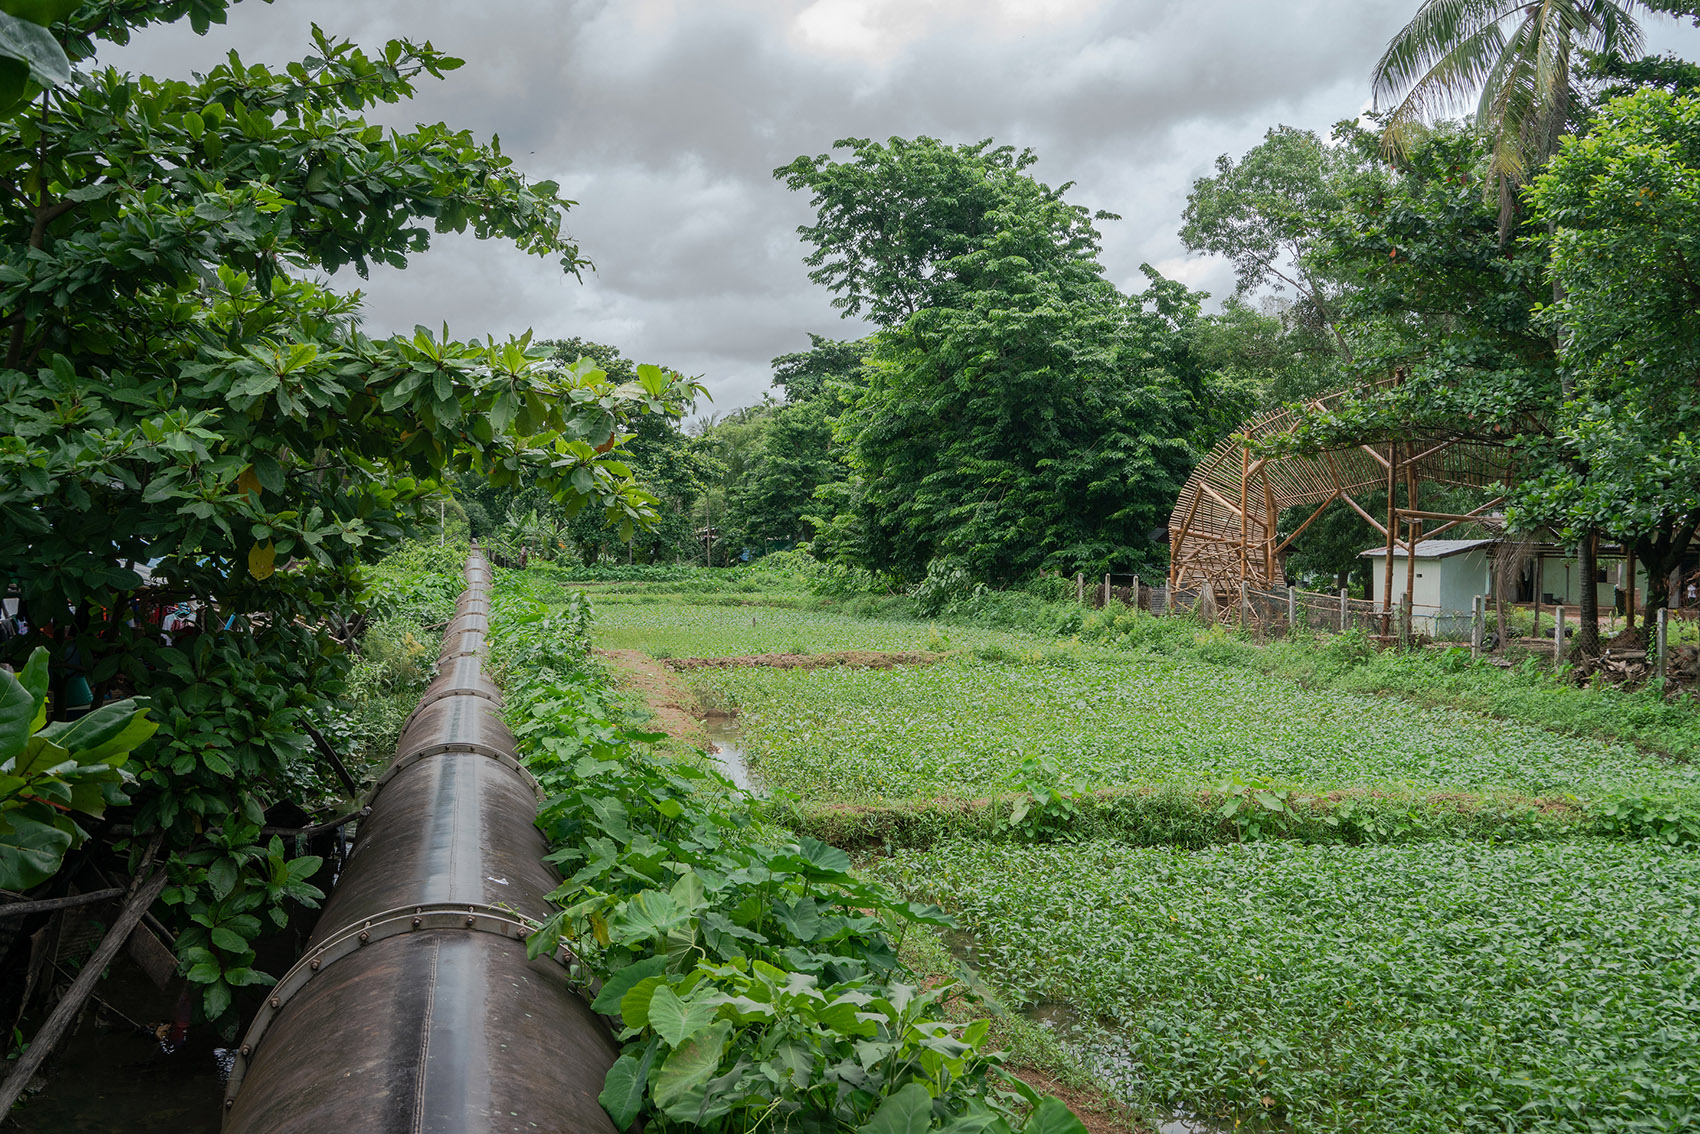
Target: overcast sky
x,y
665,118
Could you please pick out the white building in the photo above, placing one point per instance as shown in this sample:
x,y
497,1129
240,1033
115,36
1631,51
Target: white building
x,y
1450,573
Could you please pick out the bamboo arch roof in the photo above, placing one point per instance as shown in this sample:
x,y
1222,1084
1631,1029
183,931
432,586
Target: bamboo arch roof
x,y
1224,527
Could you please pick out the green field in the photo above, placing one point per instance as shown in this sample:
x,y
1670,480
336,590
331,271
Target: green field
x,y
1435,987
1423,984
964,727
676,630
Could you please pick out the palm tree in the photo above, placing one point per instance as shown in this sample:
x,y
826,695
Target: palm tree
x,y
1513,57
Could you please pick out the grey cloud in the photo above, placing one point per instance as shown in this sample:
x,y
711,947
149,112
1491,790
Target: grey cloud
x,y
664,120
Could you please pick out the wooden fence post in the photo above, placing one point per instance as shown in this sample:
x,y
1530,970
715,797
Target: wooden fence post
x,y
1135,591
1106,588
1245,603
1478,627
1080,587
1345,611
1659,644
1405,617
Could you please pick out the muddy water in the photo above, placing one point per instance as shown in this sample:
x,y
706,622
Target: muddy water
x,y
726,739
114,1075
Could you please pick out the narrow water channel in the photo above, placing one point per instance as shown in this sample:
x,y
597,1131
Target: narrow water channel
x,y
726,747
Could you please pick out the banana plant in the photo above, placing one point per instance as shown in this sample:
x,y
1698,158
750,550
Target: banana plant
x,y
50,773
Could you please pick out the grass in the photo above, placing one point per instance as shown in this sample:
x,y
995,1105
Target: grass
x,y
963,727
1434,987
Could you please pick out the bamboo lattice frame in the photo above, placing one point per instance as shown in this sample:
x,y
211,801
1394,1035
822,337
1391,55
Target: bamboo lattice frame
x,y
1224,527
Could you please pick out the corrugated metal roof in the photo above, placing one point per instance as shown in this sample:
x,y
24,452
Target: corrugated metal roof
x,y
1430,548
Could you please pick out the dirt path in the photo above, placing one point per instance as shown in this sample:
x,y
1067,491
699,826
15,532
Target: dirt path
x,y
865,659
667,696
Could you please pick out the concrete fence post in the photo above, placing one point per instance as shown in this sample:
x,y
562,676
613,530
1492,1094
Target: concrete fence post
x,y
1405,618
1345,611
1478,624
1557,635
1245,602
1134,591
1106,588
1292,610
1080,587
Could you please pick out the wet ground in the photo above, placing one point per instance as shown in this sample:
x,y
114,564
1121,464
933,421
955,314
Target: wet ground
x,y
725,745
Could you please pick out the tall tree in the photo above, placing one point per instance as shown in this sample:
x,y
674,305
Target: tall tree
x,y
1515,59
1020,412
1623,204
179,389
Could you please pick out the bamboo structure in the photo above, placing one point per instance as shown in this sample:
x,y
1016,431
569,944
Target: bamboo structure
x,y
1224,529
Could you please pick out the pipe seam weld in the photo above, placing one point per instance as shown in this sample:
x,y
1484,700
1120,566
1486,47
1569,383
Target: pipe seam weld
x,y
470,917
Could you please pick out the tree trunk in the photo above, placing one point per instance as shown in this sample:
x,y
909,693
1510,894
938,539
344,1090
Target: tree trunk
x,y
1588,615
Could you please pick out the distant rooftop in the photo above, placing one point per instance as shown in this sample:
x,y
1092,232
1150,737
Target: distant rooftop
x,y
1431,548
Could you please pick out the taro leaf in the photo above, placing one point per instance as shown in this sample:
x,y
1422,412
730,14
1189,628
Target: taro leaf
x,y
907,1111
675,1020
821,860
1052,1116
977,1122
17,710
623,1089
35,45
607,1001
646,916
634,1005
678,1088
30,850
800,918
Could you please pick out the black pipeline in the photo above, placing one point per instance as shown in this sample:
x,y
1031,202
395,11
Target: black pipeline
x,y
414,1009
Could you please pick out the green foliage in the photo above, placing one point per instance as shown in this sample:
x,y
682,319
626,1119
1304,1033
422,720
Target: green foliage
x,y
50,773
1623,203
1045,806
180,390
752,973
1434,986
1019,411
962,728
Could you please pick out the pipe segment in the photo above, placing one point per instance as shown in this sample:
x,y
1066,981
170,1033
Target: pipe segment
x,y
414,1009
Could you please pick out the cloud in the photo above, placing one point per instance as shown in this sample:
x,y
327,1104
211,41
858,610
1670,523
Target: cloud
x,y
665,118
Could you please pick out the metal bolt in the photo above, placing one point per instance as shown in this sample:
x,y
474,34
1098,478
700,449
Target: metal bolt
x,y
470,919
417,922
276,1002
247,1049
313,964
364,937
228,1103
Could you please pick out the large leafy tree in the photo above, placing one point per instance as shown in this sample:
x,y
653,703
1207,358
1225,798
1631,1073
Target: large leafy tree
x,y
180,396
1020,412
1623,206
1515,60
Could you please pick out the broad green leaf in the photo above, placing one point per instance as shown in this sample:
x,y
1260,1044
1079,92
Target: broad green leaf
x,y
109,731
616,986
634,1005
908,1110
674,1020
35,45
30,850
1052,1116
687,1068
623,1089
17,711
